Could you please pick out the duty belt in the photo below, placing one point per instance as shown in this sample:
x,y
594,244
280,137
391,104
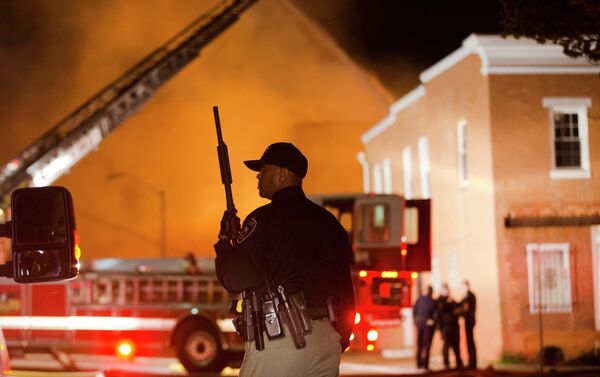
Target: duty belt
x,y
317,313
271,312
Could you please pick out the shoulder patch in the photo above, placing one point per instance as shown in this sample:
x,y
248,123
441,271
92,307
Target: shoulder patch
x,y
247,229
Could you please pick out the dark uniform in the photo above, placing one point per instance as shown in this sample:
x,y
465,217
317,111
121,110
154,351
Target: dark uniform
x,y
295,243
469,304
423,316
447,317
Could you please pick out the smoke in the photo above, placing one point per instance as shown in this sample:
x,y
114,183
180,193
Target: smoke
x,y
396,40
275,76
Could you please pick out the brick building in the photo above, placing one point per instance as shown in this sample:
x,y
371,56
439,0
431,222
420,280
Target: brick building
x,y
504,136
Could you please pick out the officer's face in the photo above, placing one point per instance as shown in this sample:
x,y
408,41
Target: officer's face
x,y
269,181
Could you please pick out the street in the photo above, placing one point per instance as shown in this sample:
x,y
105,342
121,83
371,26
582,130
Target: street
x,y
353,364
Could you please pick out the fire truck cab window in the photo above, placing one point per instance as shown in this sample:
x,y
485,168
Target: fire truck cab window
x,y
411,225
387,291
376,223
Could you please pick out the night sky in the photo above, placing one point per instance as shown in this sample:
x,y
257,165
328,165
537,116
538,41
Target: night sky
x,y
397,39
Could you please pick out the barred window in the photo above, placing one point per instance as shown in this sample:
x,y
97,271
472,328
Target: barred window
x,y
549,278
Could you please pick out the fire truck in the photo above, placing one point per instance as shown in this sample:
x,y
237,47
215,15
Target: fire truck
x,y
161,307
391,242
126,307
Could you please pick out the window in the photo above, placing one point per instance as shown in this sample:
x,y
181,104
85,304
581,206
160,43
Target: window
x,y
377,179
453,275
387,176
568,124
376,227
461,133
436,274
362,159
424,166
407,170
549,278
411,225
388,291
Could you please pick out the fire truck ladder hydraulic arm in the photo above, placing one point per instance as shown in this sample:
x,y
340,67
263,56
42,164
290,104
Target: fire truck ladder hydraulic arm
x,y
55,152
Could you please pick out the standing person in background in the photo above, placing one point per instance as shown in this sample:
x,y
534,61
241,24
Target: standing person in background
x,y
468,306
447,316
423,316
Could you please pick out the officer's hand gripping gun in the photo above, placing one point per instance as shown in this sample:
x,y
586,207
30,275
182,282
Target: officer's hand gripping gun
x,y
230,225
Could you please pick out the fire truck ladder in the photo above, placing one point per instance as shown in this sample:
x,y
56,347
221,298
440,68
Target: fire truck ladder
x,y
55,152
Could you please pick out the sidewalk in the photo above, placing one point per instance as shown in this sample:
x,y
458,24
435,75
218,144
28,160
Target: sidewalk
x,y
354,364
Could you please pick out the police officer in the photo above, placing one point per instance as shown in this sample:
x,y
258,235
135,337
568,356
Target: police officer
x,y
293,243
448,312
423,315
469,304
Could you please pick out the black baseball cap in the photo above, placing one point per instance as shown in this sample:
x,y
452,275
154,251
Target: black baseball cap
x,y
284,155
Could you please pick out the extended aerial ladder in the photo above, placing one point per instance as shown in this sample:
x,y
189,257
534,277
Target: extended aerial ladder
x,y
55,152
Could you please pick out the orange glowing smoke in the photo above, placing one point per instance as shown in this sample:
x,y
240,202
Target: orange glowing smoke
x,y
275,76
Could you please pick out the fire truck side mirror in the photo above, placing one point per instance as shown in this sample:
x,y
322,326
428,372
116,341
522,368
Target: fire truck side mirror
x,y
44,238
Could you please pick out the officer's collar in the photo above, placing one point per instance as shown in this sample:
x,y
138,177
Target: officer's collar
x,y
286,193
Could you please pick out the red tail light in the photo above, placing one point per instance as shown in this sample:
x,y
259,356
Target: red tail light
x,y
125,349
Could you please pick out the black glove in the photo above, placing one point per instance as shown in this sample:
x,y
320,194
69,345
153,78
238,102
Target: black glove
x,y
230,226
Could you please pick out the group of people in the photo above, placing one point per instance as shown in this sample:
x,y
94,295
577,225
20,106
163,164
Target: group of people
x,y
443,313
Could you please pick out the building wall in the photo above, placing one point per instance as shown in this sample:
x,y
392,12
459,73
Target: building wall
x,y
573,332
522,155
464,243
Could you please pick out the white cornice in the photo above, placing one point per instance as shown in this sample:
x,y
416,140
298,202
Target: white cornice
x,y
512,56
566,102
408,99
444,64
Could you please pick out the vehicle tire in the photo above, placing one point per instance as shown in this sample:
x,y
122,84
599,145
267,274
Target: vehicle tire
x,y
199,349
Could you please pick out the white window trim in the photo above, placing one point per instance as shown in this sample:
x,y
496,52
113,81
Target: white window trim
x,y
362,159
377,179
424,166
531,248
461,135
407,172
578,105
387,176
